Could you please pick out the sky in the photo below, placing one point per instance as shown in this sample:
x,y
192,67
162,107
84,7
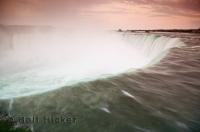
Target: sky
x,y
112,14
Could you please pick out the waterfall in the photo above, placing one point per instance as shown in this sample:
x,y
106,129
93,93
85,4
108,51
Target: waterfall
x,y
10,107
153,47
43,62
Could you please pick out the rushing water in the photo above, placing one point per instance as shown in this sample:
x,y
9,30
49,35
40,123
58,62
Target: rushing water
x,y
161,97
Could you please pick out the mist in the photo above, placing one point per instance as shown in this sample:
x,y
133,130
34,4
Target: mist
x,y
94,49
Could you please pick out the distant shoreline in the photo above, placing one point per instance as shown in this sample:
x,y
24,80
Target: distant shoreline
x,y
50,28
163,30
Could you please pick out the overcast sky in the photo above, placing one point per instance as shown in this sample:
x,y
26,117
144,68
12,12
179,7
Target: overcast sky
x,y
125,14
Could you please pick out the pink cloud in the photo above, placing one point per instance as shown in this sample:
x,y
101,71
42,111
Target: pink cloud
x,y
112,13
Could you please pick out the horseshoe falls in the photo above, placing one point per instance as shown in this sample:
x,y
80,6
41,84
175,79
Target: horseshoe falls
x,y
37,63
107,81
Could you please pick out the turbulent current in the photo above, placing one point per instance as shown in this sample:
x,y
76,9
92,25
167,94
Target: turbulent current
x,y
129,82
